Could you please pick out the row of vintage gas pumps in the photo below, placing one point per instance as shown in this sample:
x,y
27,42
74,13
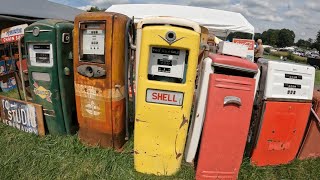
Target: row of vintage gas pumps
x,y
85,71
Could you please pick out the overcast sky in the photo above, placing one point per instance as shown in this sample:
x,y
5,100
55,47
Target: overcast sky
x,y
301,16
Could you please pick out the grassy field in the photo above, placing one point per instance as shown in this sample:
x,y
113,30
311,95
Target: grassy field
x,y
26,156
271,57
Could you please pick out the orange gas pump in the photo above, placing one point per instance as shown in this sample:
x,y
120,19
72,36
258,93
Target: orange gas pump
x,y
310,147
283,106
101,57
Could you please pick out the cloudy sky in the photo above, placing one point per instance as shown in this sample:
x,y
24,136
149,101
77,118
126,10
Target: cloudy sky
x,y
301,16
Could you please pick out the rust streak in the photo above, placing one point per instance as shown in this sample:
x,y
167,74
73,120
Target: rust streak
x,y
138,120
136,152
175,145
184,121
178,155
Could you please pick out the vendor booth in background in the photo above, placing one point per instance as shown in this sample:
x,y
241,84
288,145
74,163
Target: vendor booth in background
x,y
167,59
102,52
50,69
281,111
10,48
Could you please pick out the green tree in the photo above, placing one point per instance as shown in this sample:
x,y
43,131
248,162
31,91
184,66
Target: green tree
x,y
257,36
285,38
303,44
316,44
318,37
270,37
96,9
239,35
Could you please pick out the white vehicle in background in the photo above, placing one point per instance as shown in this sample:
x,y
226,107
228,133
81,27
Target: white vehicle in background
x,y
299,53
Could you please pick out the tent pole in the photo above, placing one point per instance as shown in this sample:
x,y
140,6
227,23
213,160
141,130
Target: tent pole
x,y
20,69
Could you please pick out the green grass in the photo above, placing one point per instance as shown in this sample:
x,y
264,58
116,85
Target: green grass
x,y
26,156
290,57
317,78
271,57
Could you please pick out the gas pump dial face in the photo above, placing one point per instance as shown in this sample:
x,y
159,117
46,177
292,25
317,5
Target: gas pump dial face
x,y
41,54
92,42
167,62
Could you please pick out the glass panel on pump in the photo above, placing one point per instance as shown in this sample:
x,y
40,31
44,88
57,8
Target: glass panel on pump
x,y
92,40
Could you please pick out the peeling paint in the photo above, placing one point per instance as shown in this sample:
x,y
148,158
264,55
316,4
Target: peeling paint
x,y
138,120
175,145
178,155
184,121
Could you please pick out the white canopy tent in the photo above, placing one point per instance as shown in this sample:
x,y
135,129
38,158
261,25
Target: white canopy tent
x,y
219,22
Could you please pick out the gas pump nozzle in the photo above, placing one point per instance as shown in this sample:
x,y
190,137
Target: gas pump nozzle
x,y
315,115
206,49
129,60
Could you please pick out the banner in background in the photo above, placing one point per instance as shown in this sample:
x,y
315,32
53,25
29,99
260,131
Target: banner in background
x,y
12,34
250,44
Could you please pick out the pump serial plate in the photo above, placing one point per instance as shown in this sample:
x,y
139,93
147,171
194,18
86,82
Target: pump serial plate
x,y
164,97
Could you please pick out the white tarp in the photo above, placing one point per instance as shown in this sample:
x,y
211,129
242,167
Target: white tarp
x,y
221,23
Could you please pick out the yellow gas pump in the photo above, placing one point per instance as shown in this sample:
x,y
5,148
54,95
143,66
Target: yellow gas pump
x,y
167,58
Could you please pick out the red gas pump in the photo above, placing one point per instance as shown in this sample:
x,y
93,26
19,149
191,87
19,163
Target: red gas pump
x,y
283,107
310,147
229,106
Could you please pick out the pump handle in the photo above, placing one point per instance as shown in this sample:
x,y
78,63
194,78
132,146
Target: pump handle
x,y
315,115
232,100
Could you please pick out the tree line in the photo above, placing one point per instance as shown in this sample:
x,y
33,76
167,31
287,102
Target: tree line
x,y
310,43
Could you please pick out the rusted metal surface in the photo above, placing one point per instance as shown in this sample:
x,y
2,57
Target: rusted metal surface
x,y
311,147
281,133
105,123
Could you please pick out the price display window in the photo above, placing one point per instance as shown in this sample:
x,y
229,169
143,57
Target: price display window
x,y
168,64
92,42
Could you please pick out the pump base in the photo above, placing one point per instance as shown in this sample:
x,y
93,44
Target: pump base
x,y
104,140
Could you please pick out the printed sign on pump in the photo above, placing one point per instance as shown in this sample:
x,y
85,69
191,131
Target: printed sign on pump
x,y
164,97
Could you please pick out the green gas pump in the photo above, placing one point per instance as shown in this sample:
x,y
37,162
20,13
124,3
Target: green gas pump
x,y
50,70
